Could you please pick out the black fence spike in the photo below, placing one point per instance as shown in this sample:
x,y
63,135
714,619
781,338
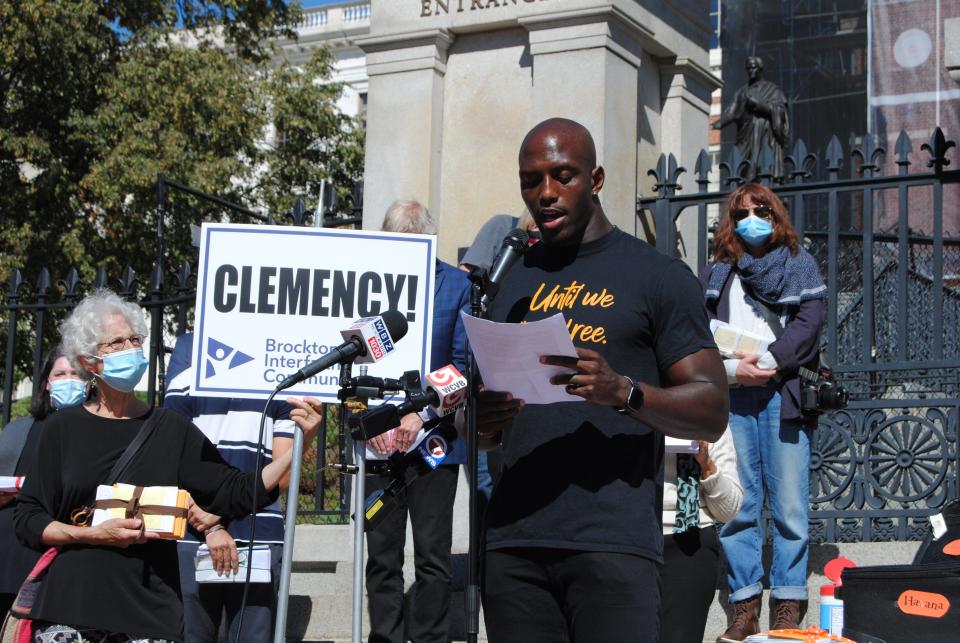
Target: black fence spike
x,y
43,282
128,281
834,156
703,168
184,277
869,154
100,279
903,149
800,159
71,284
14,285
298,212
937,148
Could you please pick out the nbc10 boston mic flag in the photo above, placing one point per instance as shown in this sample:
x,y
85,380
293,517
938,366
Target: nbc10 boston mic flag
x,y
272,299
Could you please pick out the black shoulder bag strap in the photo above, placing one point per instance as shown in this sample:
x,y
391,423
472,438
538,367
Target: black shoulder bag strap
x,y
123,462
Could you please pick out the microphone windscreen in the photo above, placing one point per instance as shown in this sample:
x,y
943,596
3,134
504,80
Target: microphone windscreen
x,y
517,238
396,323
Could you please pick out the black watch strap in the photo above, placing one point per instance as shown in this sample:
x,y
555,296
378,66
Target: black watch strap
x,y
634,398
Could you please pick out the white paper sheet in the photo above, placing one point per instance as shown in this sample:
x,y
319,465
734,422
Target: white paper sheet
x,y
508,357
261,566
677,445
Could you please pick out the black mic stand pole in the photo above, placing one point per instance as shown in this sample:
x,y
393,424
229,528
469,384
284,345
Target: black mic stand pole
x,y
472,589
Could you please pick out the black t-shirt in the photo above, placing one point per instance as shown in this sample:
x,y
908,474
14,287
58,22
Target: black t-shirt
x,y
133,591
577,475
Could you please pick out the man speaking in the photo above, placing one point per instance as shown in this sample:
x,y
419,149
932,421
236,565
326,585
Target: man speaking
x,y
573,528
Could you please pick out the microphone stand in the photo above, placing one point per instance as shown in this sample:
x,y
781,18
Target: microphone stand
x,y
289,527
359,496
472,589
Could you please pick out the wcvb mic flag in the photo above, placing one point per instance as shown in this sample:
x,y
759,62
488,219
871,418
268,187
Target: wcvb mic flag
x,y
273,299
451,388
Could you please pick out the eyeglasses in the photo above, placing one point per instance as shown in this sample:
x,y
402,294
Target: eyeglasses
x,y
762,211
118,344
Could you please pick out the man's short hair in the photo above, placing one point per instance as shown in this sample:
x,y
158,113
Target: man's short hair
x,y
756,59
410,217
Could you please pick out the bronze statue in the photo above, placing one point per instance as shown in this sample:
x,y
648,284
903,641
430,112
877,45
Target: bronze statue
x,y
759,109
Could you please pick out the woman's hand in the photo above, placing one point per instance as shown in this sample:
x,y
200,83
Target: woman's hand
x,y
6,499
200,519
749,374
307,413
223,552
707,466
117,532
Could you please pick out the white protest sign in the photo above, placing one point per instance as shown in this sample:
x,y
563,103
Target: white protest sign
x,y
272,299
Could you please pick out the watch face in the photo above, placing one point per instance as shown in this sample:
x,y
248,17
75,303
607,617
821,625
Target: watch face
x,y
635,399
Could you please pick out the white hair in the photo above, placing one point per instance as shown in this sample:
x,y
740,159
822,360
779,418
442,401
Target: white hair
x,y
83,329
410,217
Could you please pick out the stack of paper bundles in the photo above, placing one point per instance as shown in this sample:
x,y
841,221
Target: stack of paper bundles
x,y
167,526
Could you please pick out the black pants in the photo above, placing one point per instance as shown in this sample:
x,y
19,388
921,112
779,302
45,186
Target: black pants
x,y
429,499
535,595
691,563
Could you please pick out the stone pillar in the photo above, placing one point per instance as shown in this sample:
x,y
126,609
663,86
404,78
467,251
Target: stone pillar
x,y
951,40
585,67
404,119
684,121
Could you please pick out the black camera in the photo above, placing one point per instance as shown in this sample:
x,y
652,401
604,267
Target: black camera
x,y
820,392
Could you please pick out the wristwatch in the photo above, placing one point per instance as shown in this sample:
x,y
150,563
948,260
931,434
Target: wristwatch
x,y
634,399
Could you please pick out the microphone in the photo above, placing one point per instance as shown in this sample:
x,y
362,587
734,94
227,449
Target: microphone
x,y
429,454
513,247
446,391
369,339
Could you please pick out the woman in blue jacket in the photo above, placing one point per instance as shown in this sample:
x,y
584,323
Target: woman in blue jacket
x,y
762,282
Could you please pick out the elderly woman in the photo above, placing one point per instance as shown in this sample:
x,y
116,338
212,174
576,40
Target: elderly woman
x,y
58,387
114,582
763,282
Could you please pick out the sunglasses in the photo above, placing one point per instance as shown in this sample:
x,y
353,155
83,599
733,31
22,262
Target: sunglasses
x,y
762,211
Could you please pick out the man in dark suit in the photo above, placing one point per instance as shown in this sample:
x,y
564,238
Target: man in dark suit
x,y
430,497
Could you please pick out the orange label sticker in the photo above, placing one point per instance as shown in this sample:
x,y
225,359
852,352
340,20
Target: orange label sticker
x,y
952,548
923,603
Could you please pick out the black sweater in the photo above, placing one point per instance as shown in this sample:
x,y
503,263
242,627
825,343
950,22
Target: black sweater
x,y
134,591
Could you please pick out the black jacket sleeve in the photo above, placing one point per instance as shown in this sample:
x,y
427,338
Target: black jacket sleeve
x,y
215,485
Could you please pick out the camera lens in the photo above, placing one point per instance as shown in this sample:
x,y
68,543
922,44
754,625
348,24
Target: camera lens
x,y
833,397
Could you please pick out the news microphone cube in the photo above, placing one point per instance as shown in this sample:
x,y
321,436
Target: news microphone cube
x,y
373,334
451,388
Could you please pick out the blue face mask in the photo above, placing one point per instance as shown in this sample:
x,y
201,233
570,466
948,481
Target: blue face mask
x,y
754,231
65,393
122,370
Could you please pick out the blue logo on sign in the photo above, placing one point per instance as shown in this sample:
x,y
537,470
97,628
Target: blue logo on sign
x,y
219,353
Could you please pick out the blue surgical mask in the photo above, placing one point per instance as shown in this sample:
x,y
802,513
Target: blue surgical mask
x,y
122,370
754,231
67,392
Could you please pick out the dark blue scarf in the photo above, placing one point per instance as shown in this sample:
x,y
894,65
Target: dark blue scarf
x,y
777,278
